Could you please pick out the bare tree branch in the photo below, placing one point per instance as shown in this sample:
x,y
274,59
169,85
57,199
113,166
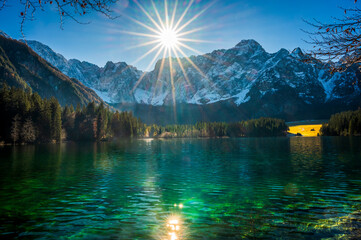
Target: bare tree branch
x,y
72,9
339,41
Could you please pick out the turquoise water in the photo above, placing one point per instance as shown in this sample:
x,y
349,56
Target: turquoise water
x,y
253,188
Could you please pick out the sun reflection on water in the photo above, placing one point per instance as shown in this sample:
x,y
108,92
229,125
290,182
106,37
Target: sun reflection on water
x,y
174,227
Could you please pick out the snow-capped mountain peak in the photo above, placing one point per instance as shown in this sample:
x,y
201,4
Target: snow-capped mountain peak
x,y
242,74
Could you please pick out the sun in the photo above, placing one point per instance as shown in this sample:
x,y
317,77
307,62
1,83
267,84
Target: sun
x,y
169,38
168,34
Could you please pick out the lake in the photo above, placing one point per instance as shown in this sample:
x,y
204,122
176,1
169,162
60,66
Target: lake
x,y
284,188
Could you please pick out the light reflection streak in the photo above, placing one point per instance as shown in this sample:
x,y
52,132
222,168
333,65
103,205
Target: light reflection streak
x,y
147,53
145,44
191,62
174,225
193,18
150,64
166,33
174,229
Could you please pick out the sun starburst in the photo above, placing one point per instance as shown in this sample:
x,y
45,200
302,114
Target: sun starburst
x,y
168,34
169,38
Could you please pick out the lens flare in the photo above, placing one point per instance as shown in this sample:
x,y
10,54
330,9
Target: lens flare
x,y
168,34
174,228
169,38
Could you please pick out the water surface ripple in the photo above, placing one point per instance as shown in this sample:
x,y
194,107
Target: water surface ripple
x,y
254,188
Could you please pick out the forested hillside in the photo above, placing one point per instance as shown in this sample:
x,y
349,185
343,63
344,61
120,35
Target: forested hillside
x,y
21,67
343,124
27,118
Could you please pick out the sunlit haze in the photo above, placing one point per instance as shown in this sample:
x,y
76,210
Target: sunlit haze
x,y
169,38
274,24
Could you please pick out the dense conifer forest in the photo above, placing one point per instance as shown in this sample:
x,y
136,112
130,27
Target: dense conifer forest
x,y
27,118
343,124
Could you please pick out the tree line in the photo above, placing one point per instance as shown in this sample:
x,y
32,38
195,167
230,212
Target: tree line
x,y
262,127
98,123
27,118
343,124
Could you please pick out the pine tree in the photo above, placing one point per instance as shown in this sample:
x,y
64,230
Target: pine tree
x,y
352,126
78,108
28,133
55,120
15,129
45,122
37,107
101,122
90,109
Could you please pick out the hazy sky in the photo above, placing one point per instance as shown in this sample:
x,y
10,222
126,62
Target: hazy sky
x,y
274,24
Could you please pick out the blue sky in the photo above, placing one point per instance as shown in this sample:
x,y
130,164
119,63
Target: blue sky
x,y
274,24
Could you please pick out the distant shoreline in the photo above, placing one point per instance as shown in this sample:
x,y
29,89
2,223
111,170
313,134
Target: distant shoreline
x,y
306,122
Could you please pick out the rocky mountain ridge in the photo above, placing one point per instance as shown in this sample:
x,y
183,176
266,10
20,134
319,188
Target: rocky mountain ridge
x,y
226,85
240,74
21,67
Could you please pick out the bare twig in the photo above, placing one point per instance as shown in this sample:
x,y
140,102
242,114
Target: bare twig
x,y
339,41
72,9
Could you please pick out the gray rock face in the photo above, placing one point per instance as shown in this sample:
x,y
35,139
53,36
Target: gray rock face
x,y
21,67
242,74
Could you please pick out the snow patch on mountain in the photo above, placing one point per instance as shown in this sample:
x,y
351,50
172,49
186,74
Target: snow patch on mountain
x,y
159,99
142,96
242,97
104,95
222,75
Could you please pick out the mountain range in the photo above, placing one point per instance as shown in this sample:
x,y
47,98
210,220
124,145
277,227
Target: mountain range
x,y
226,85
21,67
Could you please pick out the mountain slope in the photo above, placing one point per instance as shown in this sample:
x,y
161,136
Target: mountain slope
x,y
113,82
242,82
20,66
237,74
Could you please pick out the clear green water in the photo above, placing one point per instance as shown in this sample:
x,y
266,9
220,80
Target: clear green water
x,y
284,188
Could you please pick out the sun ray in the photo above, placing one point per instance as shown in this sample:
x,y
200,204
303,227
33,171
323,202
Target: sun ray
x,y
144,44
158,15
191,31
139,34
174,12
183,14
150,64
147,14
183,70
190,48
161,65
160,71
186,77
143,25
196,51
194,40
171,75
194,18
166,13
147,53
172,84
194,65
168,36
191,62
